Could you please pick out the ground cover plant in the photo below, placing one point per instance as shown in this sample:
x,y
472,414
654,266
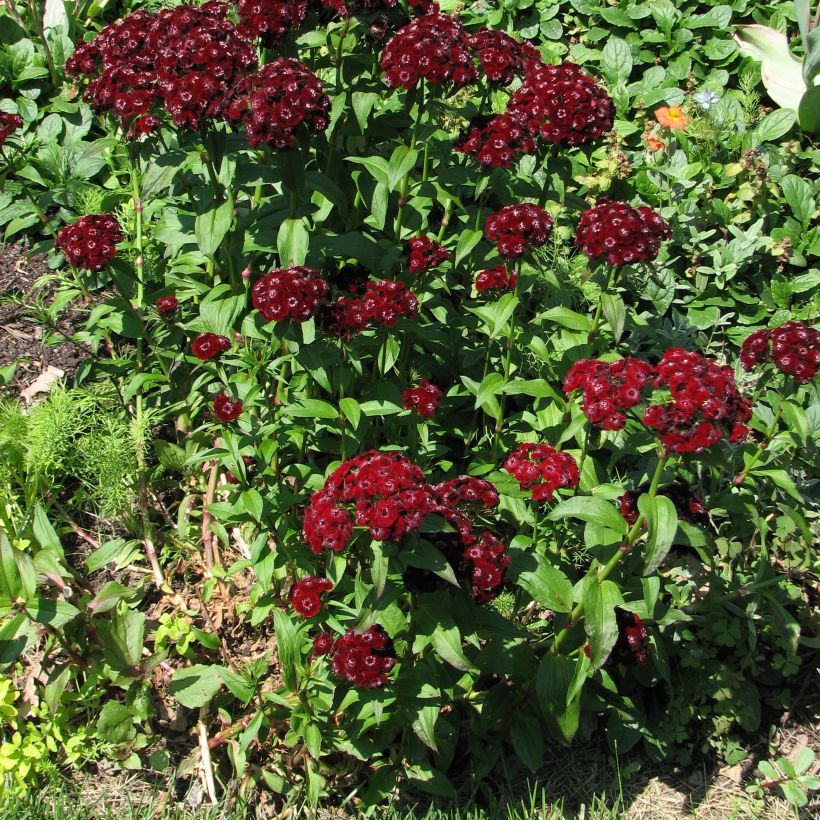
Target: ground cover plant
x,y
450,392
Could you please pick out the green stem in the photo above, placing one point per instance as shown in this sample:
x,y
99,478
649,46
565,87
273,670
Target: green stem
x,y
596,321
605,570
340,52
499,420
741,477
342,419
411,145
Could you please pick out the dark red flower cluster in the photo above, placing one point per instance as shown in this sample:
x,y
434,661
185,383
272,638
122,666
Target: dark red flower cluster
x,y
209,345
542,468
226,408
621,233
466,490
500,56
90,243
496,142
423,399
424,254
384,300
9,123
184,59
433,47
794,348
632,646
270,20
516,227
323,643
562,104
167,306
304,594
488,562
289,293
344,8
275,102
344,318
363,658
497,279
609,388
705,403
689,505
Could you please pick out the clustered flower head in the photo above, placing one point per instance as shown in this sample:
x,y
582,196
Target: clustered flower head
x,y
705,403
496,280
209,346
383,302
433,47
500,56
167,306
323,643
277,101
488,562
184,60
424,254
632,646
226,408
793,347
90,243
562,104
496,142
304,594
289,293
609,388
542,469
363,658
466,491
516,227
621,233
9,123
688,504
270,20
423,399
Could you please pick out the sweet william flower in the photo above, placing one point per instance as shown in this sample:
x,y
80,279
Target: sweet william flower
x,y
91,242
672,117
167,306
423,399
9,123
209,345
517,227
323,644
363,658
304,594
226,408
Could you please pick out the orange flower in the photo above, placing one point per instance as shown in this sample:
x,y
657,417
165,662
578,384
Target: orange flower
x,y
671,117
654,145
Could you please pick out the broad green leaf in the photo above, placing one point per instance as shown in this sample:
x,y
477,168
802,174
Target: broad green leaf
x,y
589,508
10,584
662,523
351,409
798,196
424,724
402,161
115,723
292,242
547,585
210,228
50,612
467,240
552,683
809,109
528,740
288,638
45,533
14,635
773,126
615,313
600,600
616,60
780,70
377,166
311,409
194,686
109,596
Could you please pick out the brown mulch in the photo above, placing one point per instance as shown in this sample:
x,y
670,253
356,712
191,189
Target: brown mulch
x,y
23,336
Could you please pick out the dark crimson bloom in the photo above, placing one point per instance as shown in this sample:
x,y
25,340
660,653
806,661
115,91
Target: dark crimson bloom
x,y
167,306
90,243
363,658
275,103
323,643
385,300
344,318
689,505
516,227
208,345
793,347
346,9
500,56
466,490
705,404
433,47
250,468
423,399
326,525
289,293
350,279
424,254
621,233
609,388
304,594
9,123
496,142
496,280
542,468
488,562
226,408
632,646
423,6
270,20
562,104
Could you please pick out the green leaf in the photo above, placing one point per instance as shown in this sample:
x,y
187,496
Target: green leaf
x,y
377,166
662,523
210,228
53,613
292,242
797,193
424,725
312,409
402,161
467,240
237,684
14,635
600,600
808,110
615,313
780,70
547,585
115,723
528,740
616,60
589,508
119,551
196,685
288,640
783,480
10,585
774,125
45,533
552,682
109,596
352,410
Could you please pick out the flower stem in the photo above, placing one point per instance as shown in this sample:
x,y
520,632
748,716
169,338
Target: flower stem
x,y
499,419
741,476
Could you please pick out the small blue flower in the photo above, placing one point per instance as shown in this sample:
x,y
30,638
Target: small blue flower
x,y
706,99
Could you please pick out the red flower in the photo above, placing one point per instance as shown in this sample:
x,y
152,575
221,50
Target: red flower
x,y
323,644
632,646
466,490
424,399
621,233
385,300
542,468
496,142
226,408
167,306
270,20
517,227
794,348
433,47
304,594
291,293
90,242
488,562
9,123
208,345
496,280
423,254
501,56
363,658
